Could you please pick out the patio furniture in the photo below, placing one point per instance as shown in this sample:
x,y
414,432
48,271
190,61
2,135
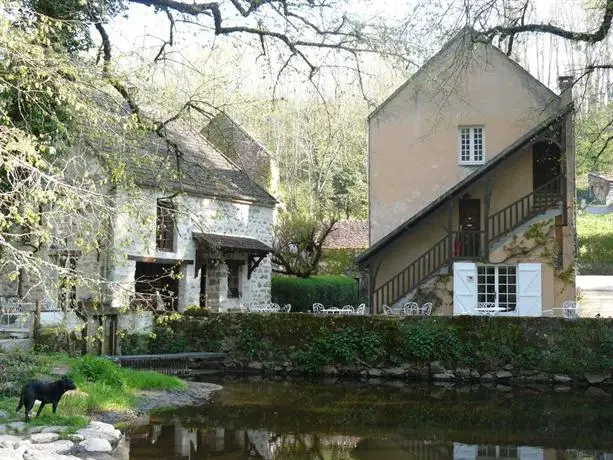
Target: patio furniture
x,y
410,309
348,310
286,308
318,308
361,309
570,310
387,311
488,309
426,309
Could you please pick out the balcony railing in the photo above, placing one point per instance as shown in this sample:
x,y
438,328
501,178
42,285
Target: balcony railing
x,y
469,244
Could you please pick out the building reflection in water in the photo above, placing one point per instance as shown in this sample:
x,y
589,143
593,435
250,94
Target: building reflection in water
x,y
174,442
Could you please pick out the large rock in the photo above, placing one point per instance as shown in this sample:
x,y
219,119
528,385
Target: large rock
x,y
41,438
100,430
54,429
436,367
56,447
96,445
562,378
17,426
9,454
9,438
596,378
41,455
504,374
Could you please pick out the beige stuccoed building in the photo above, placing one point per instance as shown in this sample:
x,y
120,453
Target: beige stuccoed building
x,y
471,188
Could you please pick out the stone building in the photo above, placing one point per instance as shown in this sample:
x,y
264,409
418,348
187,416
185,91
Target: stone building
x,y
189,227
601,187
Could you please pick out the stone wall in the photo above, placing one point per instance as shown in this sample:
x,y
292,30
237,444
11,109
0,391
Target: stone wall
x,y
601,187
135,236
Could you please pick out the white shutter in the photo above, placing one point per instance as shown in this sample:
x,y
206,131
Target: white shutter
x,y
464,451
530,453
464,288
529,289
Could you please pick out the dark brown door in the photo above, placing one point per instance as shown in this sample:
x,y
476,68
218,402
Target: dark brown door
x,y
470,225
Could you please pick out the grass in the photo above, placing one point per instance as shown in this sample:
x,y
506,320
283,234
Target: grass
x,y
102,386
595,236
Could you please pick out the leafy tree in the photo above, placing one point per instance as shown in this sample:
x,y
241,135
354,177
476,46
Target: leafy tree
x,y
298,243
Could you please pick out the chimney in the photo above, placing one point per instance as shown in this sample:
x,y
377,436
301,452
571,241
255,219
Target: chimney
x,y
565,84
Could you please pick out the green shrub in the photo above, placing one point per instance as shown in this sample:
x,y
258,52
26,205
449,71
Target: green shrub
x,y
302,293
17,367
345,346
428,340
99,370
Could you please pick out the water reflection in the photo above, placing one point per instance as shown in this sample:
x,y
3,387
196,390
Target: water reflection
x,y
176,442
281,421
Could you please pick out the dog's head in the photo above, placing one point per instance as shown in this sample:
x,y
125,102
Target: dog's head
x,y
68,384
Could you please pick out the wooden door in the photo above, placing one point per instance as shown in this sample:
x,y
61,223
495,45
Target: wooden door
x,y
470,227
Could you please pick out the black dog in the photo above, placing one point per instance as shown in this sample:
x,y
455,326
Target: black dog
x,y
45,392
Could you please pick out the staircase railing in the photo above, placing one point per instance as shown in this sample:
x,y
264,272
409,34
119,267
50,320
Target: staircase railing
x,y
468,244
408,279
539,200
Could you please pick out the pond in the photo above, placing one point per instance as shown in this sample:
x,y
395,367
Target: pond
x,y
259,419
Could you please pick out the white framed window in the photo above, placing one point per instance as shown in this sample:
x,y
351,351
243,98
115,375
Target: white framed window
x,y
497,284
471,145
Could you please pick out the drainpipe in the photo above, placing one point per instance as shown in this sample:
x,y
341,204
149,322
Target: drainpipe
x,y
565,84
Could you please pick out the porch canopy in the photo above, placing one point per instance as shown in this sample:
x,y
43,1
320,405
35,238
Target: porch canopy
x,y
213,245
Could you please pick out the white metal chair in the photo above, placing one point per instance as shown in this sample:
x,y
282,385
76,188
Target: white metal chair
x,y
361,309
569,309
318,308
286,308
410,309
348,310
387,311
426,309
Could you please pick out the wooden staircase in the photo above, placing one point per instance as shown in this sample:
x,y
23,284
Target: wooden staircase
x,y
441,254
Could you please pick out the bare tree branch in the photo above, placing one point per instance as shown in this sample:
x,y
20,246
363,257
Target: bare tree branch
x,y
590,37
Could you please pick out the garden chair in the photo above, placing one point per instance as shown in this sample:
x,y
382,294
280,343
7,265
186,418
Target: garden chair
x,y
287,308
426,309
318,308
570,310
410,309
387,311
361,309
348,310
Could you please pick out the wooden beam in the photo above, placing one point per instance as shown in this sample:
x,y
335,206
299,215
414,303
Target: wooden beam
x,y
253,262
487,204
160,260
450,233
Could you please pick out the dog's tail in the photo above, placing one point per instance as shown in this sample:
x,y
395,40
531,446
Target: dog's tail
x,y
20,405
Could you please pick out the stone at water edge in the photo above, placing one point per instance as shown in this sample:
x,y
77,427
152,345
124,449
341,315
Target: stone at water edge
x,y
9,438
17,426
44,437
54,429
96,445
62,446
3,414
10,454
40,455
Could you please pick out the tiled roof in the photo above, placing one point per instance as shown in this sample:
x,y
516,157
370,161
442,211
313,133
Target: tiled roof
x,y
348,234
180,160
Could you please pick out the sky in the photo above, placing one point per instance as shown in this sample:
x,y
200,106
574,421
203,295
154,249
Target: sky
x,y
143,32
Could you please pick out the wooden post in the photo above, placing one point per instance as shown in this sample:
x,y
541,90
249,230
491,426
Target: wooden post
x,y
486,204
450,234
36,321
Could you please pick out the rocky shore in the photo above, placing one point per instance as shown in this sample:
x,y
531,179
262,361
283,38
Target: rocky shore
x,y
99,440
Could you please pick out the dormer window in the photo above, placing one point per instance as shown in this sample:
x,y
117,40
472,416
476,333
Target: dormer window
x,y
472,145
165,226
